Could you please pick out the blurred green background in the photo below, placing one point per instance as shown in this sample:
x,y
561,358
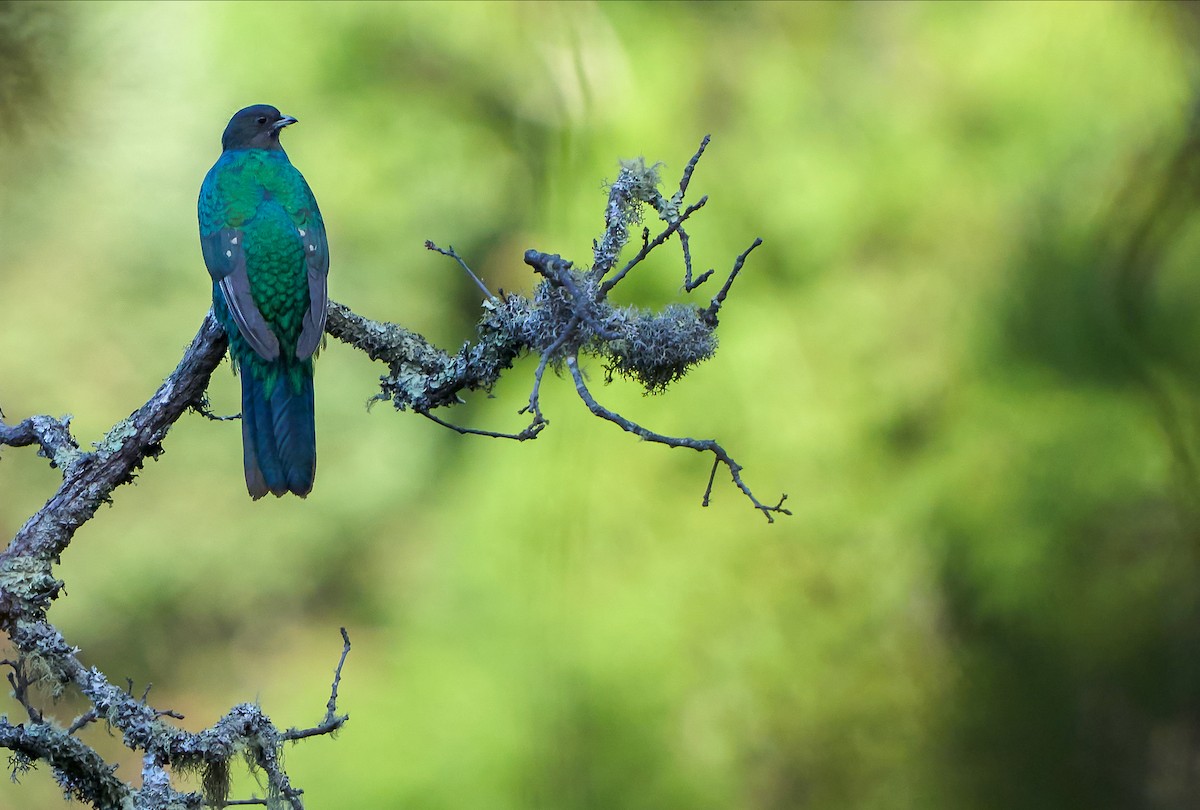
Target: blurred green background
x,y
967,350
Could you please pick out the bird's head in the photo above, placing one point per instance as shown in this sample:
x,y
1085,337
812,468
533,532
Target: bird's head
x,y
256,127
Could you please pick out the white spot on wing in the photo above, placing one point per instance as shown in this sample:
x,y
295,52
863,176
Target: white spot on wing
x,y
301,231
233,241
229,253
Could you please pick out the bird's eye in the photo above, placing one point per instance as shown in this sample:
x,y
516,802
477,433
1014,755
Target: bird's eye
x,y
262,119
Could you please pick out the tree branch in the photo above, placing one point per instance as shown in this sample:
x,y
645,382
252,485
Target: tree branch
x,y
567,314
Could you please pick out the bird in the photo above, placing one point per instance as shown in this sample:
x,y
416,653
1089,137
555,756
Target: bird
x,y
264,244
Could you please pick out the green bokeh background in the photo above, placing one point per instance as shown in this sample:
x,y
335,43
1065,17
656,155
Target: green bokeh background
x,y
967,350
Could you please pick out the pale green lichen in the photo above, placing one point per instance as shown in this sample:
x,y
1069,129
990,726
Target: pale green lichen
x,y
643,180
27,578
214,775
668,209
116,437
656,349
65,453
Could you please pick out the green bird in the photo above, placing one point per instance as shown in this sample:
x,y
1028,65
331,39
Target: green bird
x,y
264,244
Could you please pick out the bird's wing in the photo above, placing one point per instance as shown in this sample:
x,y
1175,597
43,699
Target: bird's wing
x,y
316,253
224,252
225,257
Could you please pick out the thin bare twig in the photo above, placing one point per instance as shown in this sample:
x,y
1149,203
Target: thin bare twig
x,y
700,445
691,166
530,432
712,476
333,721
19,680
690,284
202,407
534,405
710,312
454,255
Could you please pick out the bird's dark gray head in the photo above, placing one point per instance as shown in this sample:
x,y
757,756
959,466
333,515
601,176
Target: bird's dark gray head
x,y
256,127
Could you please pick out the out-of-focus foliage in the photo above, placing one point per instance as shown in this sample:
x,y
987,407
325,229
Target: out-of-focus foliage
x,y
29,40
967,349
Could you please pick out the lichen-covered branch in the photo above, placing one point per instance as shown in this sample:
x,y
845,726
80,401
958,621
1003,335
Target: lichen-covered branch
x,y
568,314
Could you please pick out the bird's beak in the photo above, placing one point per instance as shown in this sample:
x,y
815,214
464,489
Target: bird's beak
x,y
283,122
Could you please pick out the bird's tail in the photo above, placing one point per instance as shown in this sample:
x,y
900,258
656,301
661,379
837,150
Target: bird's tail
x,y
279,436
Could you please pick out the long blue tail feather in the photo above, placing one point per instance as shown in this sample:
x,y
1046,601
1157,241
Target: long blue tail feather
x,y
279,437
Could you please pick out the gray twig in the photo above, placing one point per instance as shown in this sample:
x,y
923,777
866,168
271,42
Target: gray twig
x,y
691,166
700,445
333,721
202,407
710,312
530,432
454,255
19,680
690,284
